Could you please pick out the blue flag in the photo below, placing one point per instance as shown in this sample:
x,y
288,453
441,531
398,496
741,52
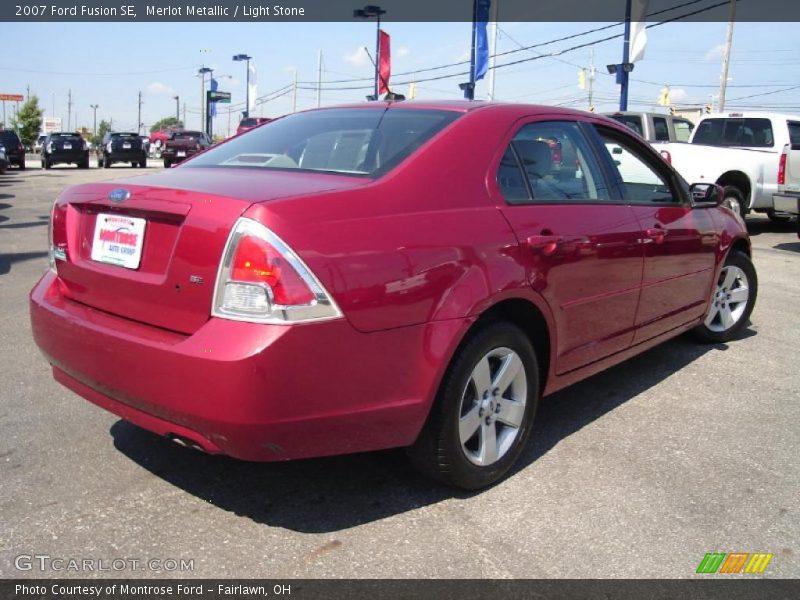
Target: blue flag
x,y
481,39
214,87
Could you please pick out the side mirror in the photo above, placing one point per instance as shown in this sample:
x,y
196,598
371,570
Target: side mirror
x,y
705,195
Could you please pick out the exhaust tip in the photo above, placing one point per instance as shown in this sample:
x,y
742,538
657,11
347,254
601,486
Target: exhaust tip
x,y
186,442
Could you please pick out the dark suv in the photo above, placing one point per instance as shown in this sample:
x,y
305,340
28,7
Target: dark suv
x,y
182,144
15,151
67,147
121,147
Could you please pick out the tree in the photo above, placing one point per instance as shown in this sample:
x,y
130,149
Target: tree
x,y
28,121
164,123
104,127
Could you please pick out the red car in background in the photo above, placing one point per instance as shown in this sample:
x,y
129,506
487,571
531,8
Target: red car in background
x,y
383,275
249,122
158,138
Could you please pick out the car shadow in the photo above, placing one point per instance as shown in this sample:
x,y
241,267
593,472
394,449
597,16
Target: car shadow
x,y
759,226
330,494
24,225
6,260
789,246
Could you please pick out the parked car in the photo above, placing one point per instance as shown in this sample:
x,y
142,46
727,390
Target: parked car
x,y
37,147
655,127
15,151
248,123
119,146
787,200
3,160
183,144
382,275
65,148
739,151
157,139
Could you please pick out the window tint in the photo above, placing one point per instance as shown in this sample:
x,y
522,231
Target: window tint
x,y
794,132
683,130
358,141
249,122
642,183
755,133
9,137
631,122
660,129
555,162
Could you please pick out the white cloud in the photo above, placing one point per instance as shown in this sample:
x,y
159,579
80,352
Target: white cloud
x,y
358,58
678,95
715,53
160,88
402,51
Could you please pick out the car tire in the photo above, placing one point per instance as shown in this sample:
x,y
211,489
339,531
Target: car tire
x,y
106,163
733,198
167,164
777,217
143,164
47,163
474,436
21,164
734,297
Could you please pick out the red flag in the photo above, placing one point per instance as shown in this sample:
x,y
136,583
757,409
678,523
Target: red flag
x,y
384,63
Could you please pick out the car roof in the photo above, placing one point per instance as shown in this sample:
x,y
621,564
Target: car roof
x,y
752,114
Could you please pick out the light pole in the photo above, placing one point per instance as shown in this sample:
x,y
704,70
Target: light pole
x,y
177,109
246,58
368,12
94,108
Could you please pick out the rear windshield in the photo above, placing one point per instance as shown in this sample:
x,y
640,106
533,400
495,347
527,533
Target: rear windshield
x,y
631,122
753,133
8,137
362,141
248,123
66,137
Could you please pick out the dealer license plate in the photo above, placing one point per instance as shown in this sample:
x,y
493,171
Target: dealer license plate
x,y
118,240
181,153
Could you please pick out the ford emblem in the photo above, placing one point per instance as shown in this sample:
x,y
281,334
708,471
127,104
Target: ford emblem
x,y
119,195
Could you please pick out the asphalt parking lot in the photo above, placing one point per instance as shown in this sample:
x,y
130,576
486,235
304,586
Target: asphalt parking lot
x,y
637,472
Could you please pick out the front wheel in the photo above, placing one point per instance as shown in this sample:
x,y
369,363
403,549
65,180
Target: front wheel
x,y
483,412
733,301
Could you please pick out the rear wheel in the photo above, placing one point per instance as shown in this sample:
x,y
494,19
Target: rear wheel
x,y
777,217
483,412
167,164
733,198
734,298
21,164
106,163
143,164
47,164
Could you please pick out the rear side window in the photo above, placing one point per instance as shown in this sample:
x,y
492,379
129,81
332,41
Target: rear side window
x,y
361,141
660,129
753,133
550,162
683,130
794,132
631,122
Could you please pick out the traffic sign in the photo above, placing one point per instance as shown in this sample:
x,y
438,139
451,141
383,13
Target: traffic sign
x,y
221,97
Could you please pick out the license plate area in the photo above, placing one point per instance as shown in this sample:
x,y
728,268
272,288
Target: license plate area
x,y
118,240
67,146
181,152
126,145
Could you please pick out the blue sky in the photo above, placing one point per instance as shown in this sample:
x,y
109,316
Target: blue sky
x,y
109,63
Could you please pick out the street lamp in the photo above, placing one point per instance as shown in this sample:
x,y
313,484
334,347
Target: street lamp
x,y
368,12
244,57
94,108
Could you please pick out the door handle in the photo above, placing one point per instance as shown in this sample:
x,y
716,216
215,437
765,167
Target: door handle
x,y
545,244
656,234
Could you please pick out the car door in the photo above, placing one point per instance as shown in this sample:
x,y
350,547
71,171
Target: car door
x,y
581,249
679,241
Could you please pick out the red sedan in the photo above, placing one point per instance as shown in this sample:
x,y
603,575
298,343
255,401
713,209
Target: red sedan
x,y
383,275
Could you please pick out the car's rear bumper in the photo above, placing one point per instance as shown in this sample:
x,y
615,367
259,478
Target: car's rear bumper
x,y
172,155
126,155
255,392
68,157
787,203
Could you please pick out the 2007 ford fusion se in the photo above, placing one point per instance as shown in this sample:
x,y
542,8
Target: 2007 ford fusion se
x,y
383,275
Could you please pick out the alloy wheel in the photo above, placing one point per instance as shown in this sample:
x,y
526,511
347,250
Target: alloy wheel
x,y
730,299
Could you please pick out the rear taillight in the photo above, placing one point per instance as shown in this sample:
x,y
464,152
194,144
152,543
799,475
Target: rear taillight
x,y
262,280
782,170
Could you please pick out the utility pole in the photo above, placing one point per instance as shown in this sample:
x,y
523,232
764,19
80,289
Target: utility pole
x,y
726,59
69,109
590,83
139,117
28,97
319,78
94,107
184,114
495,31
469,88
626,50
294,93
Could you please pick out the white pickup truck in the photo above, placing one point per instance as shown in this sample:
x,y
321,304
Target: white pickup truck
x,y
787,200
741,152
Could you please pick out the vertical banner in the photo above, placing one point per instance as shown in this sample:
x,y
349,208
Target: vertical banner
x,y
213,107
638,31
384,63
481,39
253,89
